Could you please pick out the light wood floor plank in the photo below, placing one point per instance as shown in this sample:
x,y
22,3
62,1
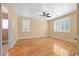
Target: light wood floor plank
x,y
43,47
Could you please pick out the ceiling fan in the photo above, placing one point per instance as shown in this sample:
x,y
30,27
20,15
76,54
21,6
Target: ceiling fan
x,y
45,14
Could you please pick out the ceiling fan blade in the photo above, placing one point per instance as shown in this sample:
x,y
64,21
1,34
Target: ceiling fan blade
x,y
48,16
43,14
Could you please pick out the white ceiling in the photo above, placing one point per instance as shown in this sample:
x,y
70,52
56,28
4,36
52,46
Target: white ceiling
x,y
55,9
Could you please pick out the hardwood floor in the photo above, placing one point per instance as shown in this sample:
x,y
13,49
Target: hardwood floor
x,y
42,47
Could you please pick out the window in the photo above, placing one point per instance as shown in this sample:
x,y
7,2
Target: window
x,y
62,25
4,24
26,25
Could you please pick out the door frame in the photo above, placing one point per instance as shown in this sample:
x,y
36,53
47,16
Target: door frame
x,y
0,29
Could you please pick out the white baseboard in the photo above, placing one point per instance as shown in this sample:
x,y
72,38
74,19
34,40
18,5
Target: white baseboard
x,y
58,37
32,37
14,43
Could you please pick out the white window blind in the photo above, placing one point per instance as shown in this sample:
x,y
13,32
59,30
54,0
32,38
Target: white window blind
x,y
62,25
26,25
